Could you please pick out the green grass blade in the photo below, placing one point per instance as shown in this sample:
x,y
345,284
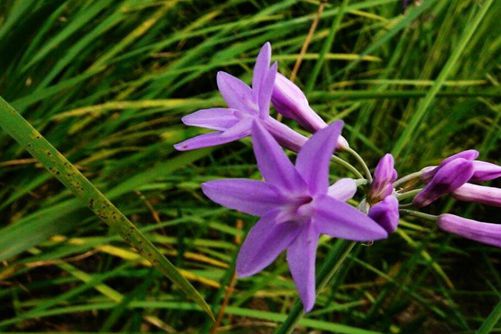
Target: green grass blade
x,y
424,104
30,139
491,320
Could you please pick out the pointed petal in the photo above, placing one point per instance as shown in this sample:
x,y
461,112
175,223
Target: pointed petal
x,y
301,256
264,97
274,165
486,233
206,140
265,241
313,161
343,189
241,129
261,68
214,118
246,195
236,93
341,220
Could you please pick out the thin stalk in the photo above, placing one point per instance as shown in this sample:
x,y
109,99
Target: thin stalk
x,y
348,166
418,214
335,258
41,149
361,161
408,194
407,178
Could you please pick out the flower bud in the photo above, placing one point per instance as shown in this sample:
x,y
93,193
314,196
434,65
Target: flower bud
x,y
480,194
486,233
448,178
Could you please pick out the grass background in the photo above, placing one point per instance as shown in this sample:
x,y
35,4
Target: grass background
x,y
107,81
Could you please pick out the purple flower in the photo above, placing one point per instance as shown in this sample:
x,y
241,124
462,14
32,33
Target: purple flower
x,y
291,102
245,106
486,233
384,205
295,205
448,178
474,193
453,173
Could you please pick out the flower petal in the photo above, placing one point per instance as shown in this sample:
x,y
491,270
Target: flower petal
x,y
341,220
386,214
313,160
480,194
343,189
261,68
486,233
301,256
467,155
274,165
214,118
206,140
264,97
236,93
264,242
246,195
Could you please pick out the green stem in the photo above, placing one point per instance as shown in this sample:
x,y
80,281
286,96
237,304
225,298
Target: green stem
x,y
348,166
408,194
335,258
30,139
407,178
420,214
362,163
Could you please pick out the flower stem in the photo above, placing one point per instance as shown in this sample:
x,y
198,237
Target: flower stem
x,y
335,258
420,214
408,194
361,161
407,178
348,166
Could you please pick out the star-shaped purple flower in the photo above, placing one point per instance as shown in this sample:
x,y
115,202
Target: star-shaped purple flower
x,y
246,105
295,205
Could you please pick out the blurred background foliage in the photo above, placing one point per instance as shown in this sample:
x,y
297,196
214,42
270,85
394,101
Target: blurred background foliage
x,y
107,83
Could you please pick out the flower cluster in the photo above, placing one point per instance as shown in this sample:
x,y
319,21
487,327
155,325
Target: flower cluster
x,y
295,202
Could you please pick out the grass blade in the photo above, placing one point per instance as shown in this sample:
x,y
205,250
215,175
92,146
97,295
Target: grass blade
x,y
30,139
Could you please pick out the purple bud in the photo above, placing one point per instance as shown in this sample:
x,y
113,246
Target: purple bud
x,y
429,172
485,171
385,213
384,176
447,179
474,193
291,102
486,233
